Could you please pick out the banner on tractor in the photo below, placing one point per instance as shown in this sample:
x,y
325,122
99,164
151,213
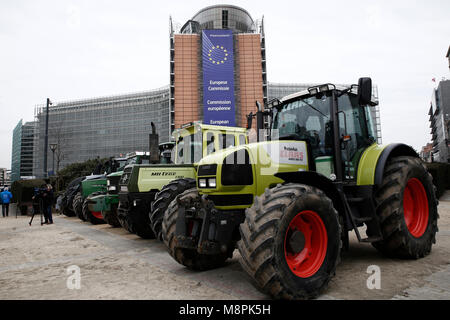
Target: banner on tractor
x,y
218,78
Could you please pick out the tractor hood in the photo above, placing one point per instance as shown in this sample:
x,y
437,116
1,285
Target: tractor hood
x,y
274,155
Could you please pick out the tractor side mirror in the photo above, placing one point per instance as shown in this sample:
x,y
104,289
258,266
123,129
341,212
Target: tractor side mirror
x,y
364,91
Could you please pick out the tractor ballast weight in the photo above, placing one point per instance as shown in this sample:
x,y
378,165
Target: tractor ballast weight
x,y
288,204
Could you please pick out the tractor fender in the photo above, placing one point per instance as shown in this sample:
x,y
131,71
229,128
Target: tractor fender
x,y
374,159
391,150
317,180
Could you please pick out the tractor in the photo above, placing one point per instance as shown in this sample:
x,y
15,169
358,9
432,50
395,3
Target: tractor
x,y
92,186
288,203
146,190
107,203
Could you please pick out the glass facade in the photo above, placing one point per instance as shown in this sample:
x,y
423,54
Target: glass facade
x,y
221,17
23,151
100,127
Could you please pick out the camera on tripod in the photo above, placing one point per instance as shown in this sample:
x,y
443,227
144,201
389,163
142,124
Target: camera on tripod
x,y
38,202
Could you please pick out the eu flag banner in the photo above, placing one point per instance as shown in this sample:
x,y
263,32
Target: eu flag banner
x,y
218,78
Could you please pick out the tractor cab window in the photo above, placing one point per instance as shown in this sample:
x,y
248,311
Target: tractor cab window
x,y
210,148
189,149
306,119
226,140
242,140
352,126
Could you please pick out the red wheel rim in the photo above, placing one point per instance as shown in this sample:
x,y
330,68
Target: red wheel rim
x,y
305,260
415,207
98,215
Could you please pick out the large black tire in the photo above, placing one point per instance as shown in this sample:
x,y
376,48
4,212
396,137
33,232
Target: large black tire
x,y
270,234
77,205
399,239
125,221
188,257
162,200
111,217
87,214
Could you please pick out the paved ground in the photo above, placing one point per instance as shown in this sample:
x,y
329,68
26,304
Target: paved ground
x,y
116,265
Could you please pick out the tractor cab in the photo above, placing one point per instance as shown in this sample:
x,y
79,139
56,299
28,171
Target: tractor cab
x,y
194,141
335,122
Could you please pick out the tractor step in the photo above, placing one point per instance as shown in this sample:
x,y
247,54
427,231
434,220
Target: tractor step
x,y
356,200
362,219
371,239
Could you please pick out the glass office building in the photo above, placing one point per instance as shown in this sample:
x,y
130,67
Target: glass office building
x,y
439,113
22,156
100,127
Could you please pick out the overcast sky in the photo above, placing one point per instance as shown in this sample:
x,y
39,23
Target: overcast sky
x,y
81,49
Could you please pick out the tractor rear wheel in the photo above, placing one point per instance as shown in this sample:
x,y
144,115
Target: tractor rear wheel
x,y
77,205
92,217
291,241
407,209
188,257
162,200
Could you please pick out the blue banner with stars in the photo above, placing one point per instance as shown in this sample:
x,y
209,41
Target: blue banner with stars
x,y
218,78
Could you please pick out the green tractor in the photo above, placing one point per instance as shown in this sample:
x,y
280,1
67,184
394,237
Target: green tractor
x,y
288,204
107,203
142,198
92,186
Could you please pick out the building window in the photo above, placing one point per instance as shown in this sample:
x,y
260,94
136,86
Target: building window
x,y
224,19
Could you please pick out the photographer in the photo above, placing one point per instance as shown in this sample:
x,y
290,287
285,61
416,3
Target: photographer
x,y
44,195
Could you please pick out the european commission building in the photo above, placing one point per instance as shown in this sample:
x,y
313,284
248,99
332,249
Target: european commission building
x,y
217,72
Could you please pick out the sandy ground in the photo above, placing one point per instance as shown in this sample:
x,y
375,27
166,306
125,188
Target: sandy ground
x,y
117,265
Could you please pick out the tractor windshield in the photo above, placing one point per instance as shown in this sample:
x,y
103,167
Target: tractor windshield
x,y
189,149
306,119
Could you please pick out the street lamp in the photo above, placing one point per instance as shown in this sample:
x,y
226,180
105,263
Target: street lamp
x,y
53,147
49,103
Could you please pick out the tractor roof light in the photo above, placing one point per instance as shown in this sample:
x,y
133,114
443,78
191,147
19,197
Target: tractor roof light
x,y
274,103
324,88
313,91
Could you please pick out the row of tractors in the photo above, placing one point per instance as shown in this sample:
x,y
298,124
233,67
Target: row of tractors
x,y
287,202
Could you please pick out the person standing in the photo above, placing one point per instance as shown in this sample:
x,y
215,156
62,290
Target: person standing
x,y
6,199
48,202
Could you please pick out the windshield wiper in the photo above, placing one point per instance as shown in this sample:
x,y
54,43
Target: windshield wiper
x,y
314,108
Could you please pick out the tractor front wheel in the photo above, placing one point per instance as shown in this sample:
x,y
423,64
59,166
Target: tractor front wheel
x,y
291,241
188,257
407,209
162,200
92,217
77,205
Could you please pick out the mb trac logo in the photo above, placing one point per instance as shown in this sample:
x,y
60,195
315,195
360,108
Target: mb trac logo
x,y
163,173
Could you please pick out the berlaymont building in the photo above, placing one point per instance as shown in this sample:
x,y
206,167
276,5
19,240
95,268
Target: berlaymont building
x,y
217,72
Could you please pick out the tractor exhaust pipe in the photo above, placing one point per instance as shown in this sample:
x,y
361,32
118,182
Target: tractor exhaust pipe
x,y
153,139
259,120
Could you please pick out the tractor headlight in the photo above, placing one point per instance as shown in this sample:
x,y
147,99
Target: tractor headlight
x,y
111,188
124,188
108,182
212,182
202,183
